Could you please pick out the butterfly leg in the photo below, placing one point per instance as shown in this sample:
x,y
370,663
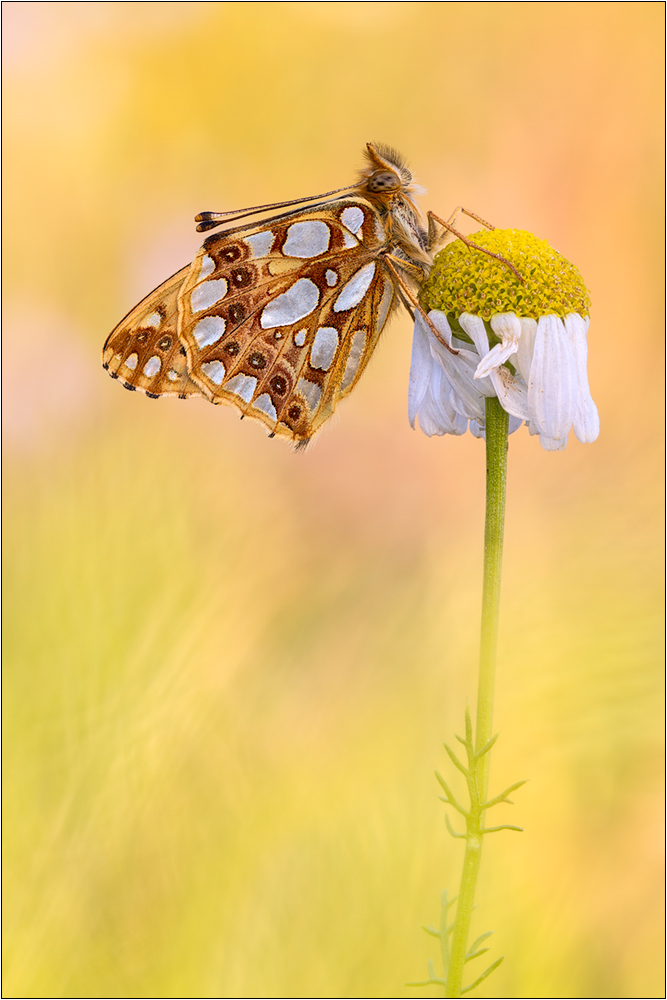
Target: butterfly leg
x,y
433,218
406,305
405,291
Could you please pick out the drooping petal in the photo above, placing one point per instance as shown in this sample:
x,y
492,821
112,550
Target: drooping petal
x,y
468,394
512,392
431,419
436,413
460,372
524,355
507,326
420,369
587,421
430,396
474,327
457,423
441,323
553,382
552,444
438,410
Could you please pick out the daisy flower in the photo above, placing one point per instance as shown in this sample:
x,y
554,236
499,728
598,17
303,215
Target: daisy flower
x,y
524,342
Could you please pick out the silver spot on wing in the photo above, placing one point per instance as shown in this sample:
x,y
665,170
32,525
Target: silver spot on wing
x,y
297,302
243,386
310,392
354,290
307,239
324,347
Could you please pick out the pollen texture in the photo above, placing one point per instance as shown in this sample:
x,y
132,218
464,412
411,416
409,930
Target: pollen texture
x,y
466,280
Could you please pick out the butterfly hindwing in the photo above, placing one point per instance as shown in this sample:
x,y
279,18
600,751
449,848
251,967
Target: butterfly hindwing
x,y
144,351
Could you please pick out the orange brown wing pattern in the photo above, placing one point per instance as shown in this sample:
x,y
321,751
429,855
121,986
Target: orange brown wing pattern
x,y
281,320
143,352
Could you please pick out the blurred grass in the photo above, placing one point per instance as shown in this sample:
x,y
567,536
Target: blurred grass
x,y
229,669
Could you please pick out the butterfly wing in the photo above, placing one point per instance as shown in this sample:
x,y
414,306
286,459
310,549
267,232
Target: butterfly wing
x,y
144,351
281,319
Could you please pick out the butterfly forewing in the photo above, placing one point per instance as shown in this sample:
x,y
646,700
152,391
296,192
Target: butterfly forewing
x,y
144,351
280,320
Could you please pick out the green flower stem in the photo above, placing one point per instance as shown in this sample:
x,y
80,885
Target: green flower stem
x,y
497,423
496,478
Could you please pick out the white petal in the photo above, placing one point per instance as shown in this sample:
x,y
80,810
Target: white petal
x,y
587,421
431,419
553,383
474,327
437,415
477,430
524,355
552,444
514,424
459,424
460,373
459,369
512,392
420,368
430,396
508,327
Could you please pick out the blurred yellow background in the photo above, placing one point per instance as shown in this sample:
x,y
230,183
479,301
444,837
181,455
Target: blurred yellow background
x,y
230,667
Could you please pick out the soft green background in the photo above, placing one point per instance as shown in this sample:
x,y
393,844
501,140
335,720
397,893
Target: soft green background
x,y
229,667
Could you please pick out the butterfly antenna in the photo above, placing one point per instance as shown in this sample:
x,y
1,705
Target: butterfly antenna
x,y
209,220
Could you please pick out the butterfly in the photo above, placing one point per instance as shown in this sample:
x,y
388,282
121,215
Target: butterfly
x,y
279,318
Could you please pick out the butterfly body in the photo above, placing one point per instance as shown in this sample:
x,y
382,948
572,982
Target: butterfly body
x,y
279,318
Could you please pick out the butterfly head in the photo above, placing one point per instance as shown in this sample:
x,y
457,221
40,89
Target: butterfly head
x,y
385,176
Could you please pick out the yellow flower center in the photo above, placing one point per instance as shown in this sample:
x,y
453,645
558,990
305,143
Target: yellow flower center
x,y
465,280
